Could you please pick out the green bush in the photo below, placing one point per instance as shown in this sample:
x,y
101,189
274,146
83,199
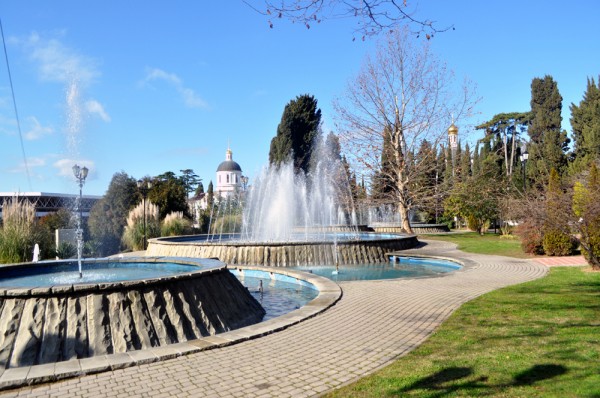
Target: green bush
x,y
66,250
558,243
592,233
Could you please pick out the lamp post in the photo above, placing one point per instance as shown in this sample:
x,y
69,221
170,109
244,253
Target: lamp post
x,y
144,187
524,156
80,174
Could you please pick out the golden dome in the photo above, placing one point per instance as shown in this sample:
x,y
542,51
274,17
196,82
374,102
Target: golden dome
x,y
452,130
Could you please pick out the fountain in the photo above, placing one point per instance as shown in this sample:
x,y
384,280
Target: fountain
x,y
50,315
384,218
292,219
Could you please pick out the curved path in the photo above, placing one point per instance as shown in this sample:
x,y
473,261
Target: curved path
x,y
373,323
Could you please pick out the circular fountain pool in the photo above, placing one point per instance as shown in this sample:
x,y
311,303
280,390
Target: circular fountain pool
x,y
346,248
118,306
48,274
400,267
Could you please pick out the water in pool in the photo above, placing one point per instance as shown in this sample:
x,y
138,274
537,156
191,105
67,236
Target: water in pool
x,y
67,274
401,267
278,297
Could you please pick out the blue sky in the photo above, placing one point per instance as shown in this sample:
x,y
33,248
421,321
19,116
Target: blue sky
x,y
149,86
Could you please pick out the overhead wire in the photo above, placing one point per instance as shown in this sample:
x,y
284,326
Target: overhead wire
x,y
12,90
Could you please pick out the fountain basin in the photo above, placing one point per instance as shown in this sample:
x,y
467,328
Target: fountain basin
x,y
349,248
399,267
418,228
49,323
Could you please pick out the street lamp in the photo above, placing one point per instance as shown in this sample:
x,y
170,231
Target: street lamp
x,y
80,174
523,157
144,187
244,183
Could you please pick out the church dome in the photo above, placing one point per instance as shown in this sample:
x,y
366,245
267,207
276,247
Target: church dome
x,y
229,165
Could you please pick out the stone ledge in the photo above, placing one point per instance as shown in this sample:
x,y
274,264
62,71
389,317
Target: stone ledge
x,y
28,375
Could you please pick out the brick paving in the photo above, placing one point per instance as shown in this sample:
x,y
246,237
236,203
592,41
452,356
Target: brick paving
x,y
567,261
374,323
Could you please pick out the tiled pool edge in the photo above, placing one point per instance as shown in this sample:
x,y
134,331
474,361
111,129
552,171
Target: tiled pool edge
x,y
329,294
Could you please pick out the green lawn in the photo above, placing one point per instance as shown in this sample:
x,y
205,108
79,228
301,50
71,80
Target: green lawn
x,y
538,339
472,242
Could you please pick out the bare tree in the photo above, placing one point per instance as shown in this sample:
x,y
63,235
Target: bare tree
x,y
406,93
373,16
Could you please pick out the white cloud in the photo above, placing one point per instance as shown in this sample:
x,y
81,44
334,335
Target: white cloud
x,y
93,107
56,62
31,164
65,167
37,131
189,96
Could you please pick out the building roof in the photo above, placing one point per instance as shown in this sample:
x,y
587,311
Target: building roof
x,y
229,165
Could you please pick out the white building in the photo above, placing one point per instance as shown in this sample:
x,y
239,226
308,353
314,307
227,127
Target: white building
x,y
229,177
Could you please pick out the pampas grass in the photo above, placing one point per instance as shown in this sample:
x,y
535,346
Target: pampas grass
x,y
133,236
18,231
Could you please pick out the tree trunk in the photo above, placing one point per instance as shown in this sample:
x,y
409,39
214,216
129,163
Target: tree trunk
x,y
403,210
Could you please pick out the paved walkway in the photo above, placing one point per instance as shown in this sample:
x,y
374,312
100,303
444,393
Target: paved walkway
x,y
567,261
373,323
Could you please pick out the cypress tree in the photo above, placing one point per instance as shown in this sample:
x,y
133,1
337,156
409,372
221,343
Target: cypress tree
x,y
299,126
549,143
383,180
585,122
465,163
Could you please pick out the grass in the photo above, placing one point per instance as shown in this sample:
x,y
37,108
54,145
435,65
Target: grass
x,y
538,339
490,243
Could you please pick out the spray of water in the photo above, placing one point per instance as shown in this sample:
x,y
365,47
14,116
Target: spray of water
x,y
74,118
283,205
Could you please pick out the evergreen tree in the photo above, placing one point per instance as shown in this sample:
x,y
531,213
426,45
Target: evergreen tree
x,y
199,189
556,237
424,183
586,209
475,167
585,121
506,130
108,217
382,187
210,195
464,167
169,194
549,143
190,180
299,126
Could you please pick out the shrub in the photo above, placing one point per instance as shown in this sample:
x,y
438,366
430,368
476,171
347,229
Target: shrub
x,y
558,243
133,235
592,232
506,231
477,224
175,224
66,250
531,237
231,223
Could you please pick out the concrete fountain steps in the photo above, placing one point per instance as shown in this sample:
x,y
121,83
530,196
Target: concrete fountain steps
x,y
283,254
47,325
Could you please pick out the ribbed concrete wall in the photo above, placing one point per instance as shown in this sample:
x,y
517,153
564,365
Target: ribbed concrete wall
x,y
417,229
284,254
57,324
